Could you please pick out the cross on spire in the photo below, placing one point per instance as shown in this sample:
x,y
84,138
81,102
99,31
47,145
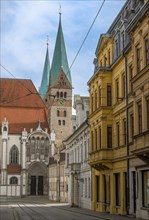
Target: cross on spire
x,y
47,40
60,11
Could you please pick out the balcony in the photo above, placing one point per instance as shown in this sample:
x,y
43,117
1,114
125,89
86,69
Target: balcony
x,y
101,159
74,167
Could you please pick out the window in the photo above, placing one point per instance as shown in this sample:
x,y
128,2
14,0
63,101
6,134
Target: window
x,y
58,113
138,59
131,126
99,96
116,48
109,137
117,89
87,114
14,154
57,94
147,106
65,94
109,95
63,122
92,103
61,94
85,151
123,84
96,139
67,159
123,39
145,188
117,189
109,57
59,122
95,100
65,113
99,130
105,60
106,189
139,117
124,130
118,134
13,180
89,187
147,51
5,128
97,189
92,140
130,77
85,187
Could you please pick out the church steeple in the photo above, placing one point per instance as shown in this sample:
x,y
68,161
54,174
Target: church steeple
x,y
59,61
45,75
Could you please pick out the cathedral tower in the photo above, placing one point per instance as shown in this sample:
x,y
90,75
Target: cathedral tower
x,y
58,97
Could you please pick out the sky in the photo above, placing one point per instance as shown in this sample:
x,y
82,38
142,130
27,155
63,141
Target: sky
x,y
25,25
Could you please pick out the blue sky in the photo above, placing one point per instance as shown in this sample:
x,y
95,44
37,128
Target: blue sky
x,y
26,23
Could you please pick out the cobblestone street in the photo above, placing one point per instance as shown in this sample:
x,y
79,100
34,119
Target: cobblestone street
x,y
40,208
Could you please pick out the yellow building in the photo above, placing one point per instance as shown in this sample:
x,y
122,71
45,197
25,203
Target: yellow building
x,y
137,58
109,146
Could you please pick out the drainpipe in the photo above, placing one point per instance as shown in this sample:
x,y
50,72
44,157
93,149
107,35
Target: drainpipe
x,y
127,136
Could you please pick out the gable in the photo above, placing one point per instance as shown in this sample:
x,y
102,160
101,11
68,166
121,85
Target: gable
x,y
62,81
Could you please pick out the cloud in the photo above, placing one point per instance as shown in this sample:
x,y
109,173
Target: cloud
x,y
25,25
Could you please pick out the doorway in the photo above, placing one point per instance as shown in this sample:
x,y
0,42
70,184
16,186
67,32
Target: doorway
x,y
33,185
36,185
40,185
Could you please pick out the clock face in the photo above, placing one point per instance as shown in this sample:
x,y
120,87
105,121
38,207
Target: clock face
x,y
61,101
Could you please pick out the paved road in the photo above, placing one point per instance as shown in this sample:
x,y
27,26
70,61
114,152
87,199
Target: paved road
x,y
40,208
37,209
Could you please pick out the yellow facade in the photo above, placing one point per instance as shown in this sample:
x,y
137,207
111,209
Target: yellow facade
x,y
110,107
108,162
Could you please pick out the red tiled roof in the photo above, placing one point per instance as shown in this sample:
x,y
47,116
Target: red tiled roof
x,y
20,109
19,92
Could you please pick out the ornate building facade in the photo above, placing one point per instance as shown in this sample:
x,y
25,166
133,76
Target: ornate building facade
x,y
117,147
25,141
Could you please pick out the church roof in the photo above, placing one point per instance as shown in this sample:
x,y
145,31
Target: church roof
x,y
21,105
59,61
45,76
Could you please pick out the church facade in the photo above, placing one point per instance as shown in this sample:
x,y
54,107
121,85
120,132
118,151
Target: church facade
x,y
25,141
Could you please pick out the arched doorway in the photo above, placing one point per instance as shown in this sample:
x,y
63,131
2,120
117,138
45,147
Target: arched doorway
x,y
37,179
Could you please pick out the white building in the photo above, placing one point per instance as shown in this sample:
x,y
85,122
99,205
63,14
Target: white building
x,y
77,156
25,142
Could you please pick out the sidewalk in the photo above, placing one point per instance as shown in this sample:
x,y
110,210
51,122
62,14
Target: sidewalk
x,y
102,215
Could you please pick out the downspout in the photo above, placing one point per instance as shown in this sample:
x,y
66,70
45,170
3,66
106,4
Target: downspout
x,y
127,136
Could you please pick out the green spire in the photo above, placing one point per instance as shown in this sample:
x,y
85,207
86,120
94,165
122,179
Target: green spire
x,y
45,76
60,57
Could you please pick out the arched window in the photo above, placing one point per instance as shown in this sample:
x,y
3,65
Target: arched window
x,y
61,94
65,94
5,128
63,122
14,180
58,113
65,114
57,94
14,155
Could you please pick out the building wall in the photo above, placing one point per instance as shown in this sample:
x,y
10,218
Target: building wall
x,y
139,138
77,168
108,122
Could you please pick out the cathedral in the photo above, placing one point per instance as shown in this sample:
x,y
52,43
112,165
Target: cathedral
x,y
33,126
